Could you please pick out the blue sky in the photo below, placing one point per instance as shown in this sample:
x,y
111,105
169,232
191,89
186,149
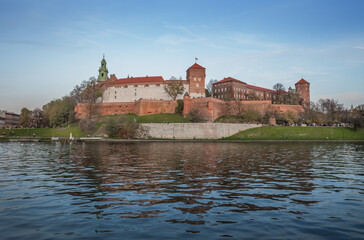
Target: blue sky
x,y
47,47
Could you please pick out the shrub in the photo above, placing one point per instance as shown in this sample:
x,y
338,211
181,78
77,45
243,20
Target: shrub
x,y
87,125
179,108
195,116
122,127
251,115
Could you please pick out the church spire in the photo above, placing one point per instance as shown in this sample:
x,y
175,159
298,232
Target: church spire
x,y
103,72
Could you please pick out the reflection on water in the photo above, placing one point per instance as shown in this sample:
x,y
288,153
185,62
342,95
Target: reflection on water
x,y
181,190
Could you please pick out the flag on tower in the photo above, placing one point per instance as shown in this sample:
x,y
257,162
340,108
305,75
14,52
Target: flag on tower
x,y
196,58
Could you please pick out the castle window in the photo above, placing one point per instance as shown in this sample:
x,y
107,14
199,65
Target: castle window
x,y
146,85
115,97
102,74
199,79
125,86
158,85
135,85
115,92
194,79
197,85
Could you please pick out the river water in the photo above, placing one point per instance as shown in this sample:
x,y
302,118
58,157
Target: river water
x,y
177,190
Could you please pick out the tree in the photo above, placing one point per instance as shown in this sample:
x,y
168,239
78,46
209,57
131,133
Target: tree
x,y
24,119
90,95
58,111
78,90
331,108
174,88
36,118
209,86
207,93
278,87
291,98
252,96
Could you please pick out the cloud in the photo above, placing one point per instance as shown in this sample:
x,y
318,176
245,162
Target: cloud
x,y
359,47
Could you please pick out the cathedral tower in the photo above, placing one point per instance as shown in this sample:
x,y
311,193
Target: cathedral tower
x,y
103,72
303,89
196,75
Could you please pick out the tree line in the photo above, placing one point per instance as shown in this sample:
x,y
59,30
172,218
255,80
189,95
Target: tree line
x,y
60,111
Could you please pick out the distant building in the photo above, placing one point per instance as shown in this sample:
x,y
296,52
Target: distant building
x,y
233,89
8,119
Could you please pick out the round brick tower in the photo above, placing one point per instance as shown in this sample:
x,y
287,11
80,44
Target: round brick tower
x,y
303,89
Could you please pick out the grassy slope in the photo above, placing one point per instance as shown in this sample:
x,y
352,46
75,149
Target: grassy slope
x,y
65,131
299,133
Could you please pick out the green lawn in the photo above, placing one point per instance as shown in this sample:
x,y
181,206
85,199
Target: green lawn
x,y
73,128
299,133
45,132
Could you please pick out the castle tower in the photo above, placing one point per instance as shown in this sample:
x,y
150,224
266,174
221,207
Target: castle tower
x,y
303,89
103,72
196,75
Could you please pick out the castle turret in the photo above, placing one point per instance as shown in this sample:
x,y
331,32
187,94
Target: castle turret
x,y
196,75
303,89
103,72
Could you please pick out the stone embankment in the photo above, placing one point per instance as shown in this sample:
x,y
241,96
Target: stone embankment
x,y
194,130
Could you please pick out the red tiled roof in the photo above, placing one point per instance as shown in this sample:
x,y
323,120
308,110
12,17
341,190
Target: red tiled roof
x,y
196,66
302,81
137,80
260,88
228,79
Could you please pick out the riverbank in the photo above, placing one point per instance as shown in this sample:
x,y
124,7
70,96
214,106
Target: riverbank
x,y
264,134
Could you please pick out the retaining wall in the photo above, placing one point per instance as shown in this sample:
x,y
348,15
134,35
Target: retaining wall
x,y
194,130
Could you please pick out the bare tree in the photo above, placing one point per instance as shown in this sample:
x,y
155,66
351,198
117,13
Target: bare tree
x,y
91,94
331,108
173,88
209,86
278,87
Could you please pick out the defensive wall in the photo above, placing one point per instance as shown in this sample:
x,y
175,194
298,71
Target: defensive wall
x,y
140,107
208,108
194,130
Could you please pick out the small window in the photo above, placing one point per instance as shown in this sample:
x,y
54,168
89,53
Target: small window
x,y
197,85
146,85
125,86
199,79
158,85
102,74
194,79
115,92
115,97
135,85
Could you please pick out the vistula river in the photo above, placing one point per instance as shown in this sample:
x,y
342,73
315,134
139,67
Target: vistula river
x,y
181,190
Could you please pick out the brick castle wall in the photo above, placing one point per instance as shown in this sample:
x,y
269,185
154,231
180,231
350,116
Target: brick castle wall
x,y
209,108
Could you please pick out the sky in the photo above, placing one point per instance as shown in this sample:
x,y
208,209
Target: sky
x,y
48,47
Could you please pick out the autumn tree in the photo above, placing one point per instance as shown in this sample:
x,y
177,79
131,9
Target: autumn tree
x,y
174,88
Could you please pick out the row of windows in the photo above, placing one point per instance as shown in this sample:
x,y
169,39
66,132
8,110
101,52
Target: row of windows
x,y
145,85
195,79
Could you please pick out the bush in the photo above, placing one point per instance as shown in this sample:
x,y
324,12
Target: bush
x,y
251,115
122,127
87,125
179,108
195,116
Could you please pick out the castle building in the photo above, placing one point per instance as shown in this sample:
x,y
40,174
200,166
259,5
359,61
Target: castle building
x,y
303,89
131,89
233,89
